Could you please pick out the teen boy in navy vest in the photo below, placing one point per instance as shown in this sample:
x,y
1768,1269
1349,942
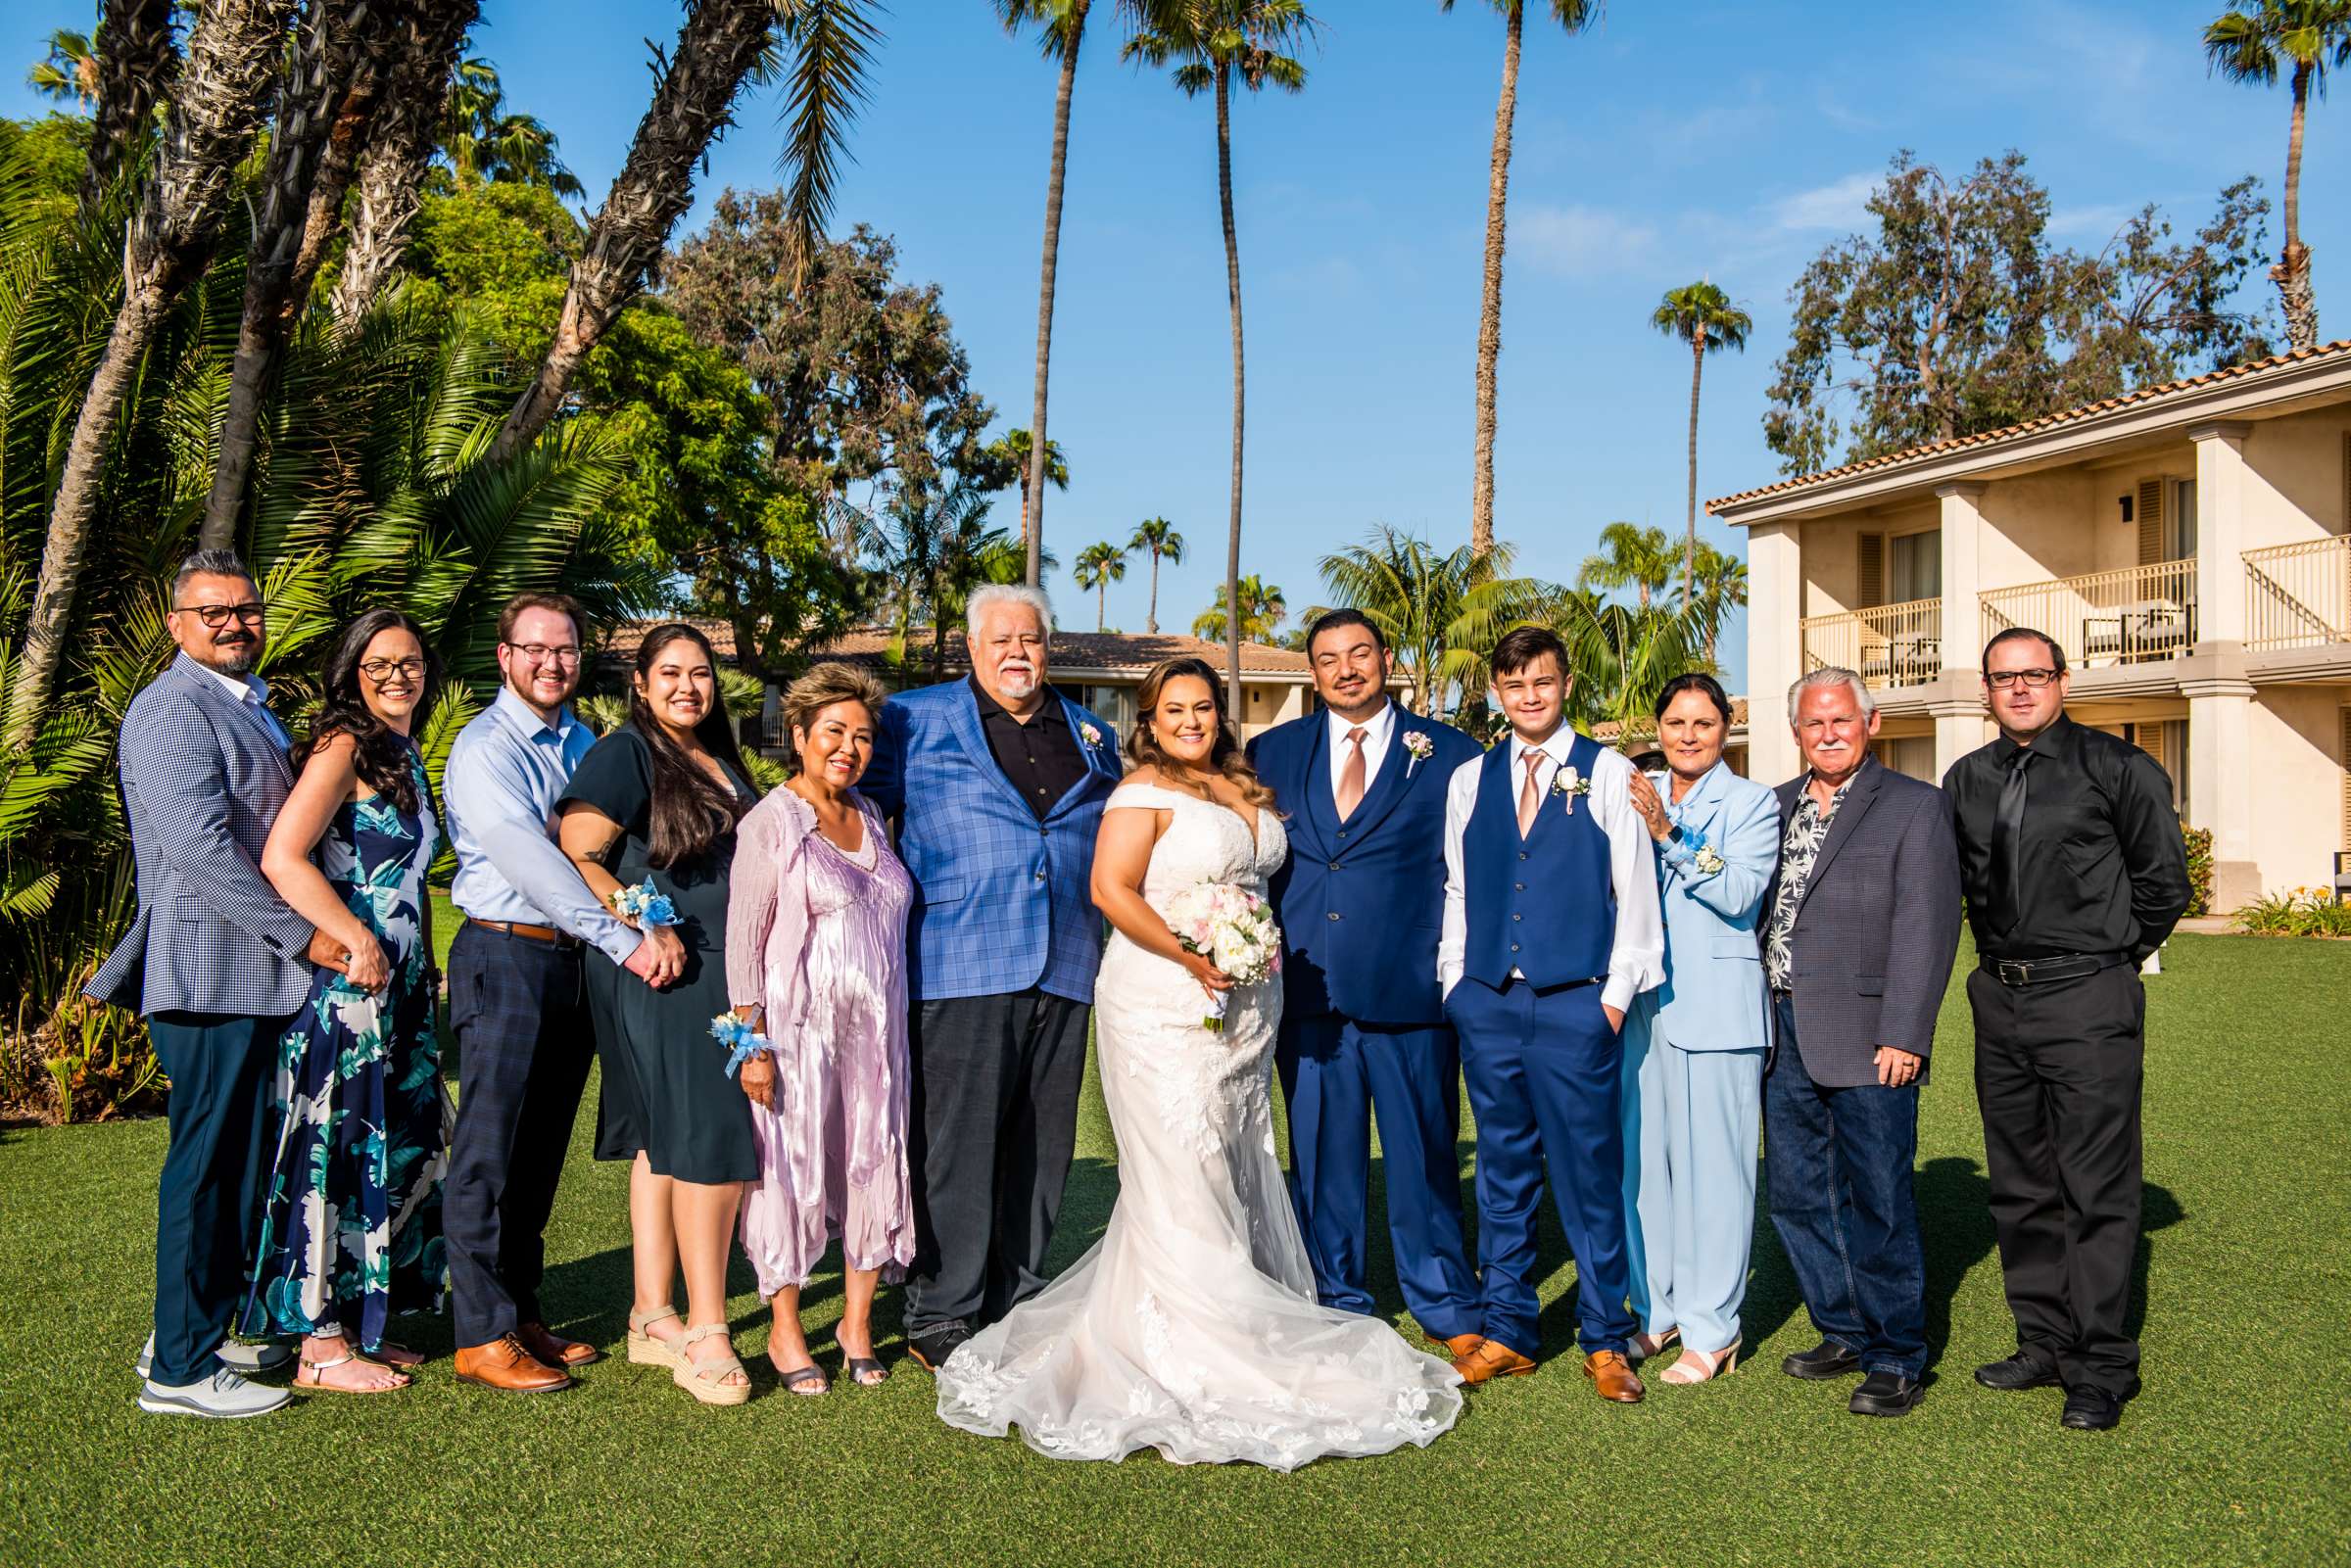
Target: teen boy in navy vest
x,y
1551,928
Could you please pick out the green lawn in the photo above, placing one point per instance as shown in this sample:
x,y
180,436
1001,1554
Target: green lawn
x,y
2236,1452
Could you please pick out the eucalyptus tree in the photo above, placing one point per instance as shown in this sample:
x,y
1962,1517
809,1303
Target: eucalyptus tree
x,y
216,108
1573,16
1703,316
1210,44
2252,42
1629,556
1098,566
1157,537
826,46
1061,27
1441,613
421,55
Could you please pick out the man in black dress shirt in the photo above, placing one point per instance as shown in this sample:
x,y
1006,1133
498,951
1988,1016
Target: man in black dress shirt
x,y
1036,750
2074,868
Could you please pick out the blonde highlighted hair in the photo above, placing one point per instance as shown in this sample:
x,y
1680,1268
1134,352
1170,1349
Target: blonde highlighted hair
x,y
1225,754
824,685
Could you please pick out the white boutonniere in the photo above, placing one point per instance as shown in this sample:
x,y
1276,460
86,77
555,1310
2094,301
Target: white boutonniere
x,y
1090,736
1570,783
1420,747
1708,862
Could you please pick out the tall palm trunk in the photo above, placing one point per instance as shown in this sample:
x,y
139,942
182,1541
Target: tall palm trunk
x,y
1489,319
719,44
1101,602
390,173
347,139
1032,486
1698,367
2293,271
1232,292
135,66
317,74
1151,615
230,52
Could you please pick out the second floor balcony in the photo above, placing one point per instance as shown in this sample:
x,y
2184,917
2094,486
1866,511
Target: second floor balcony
x,y
2298,595
1887,645
2133,615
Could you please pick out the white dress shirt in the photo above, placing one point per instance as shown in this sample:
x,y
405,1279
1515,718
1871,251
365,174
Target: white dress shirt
x,y
253,689
505,771
1637,958
1379,729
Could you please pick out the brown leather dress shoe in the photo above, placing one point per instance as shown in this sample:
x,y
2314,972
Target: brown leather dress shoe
x,y
552,1350
1457,1347
1613,1376
1489,1360
504,1366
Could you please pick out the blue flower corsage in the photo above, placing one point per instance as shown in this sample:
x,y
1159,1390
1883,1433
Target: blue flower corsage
x,y
742,1042
643,905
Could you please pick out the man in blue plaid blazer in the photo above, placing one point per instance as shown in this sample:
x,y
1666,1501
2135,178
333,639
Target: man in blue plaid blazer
x,y
997,783
214,961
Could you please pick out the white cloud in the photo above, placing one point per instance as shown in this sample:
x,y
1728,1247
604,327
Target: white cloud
x,y
1578,241
1839,204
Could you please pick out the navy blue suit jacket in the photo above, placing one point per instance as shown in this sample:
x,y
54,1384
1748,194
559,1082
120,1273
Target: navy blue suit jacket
x,y
1361,903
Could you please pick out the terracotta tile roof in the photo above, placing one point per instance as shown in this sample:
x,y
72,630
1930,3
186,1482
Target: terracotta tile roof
x,y
1609,730
1075,654
2063,416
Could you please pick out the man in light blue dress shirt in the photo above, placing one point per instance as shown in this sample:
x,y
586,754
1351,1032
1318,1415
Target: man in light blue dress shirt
x,y
517,1000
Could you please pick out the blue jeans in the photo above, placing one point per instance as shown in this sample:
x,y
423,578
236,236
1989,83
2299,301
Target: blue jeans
x,y
1839,1164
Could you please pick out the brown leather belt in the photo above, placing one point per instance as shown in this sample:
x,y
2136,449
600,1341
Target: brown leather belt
x,y
535,933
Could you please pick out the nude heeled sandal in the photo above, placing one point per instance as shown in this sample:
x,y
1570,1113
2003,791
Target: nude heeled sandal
x,y
704,1380
1697,1366
644,1348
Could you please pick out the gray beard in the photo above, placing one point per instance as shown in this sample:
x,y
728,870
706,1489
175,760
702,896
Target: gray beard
x,y
235,661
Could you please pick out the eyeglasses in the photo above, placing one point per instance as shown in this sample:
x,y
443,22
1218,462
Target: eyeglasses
x,y
543,653
381,670
2033,679
217,616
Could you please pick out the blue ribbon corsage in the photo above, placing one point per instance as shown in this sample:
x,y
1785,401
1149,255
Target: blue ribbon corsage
x,y
645,905
742,1042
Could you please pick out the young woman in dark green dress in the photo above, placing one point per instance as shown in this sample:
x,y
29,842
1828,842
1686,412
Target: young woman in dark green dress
x,y
658,798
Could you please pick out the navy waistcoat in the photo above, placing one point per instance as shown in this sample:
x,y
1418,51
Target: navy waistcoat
x,y
1546,905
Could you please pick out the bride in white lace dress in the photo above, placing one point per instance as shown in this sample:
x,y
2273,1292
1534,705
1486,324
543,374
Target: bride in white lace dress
x,y
1191,1327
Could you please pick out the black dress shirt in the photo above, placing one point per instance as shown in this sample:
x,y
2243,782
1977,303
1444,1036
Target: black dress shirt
x,y
2100,864
1040,757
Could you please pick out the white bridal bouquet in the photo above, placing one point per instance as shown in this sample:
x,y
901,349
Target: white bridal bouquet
x,y
1232,929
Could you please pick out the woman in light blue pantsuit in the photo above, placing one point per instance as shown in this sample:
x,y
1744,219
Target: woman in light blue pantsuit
x,y
1693,1047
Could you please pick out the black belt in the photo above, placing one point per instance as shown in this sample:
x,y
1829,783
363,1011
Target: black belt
x,y
2022,971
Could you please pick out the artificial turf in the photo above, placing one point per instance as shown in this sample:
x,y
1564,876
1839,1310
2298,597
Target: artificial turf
x,y
2235,1453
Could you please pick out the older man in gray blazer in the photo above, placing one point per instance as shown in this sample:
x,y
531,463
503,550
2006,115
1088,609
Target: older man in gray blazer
x,y
1861,926
216,963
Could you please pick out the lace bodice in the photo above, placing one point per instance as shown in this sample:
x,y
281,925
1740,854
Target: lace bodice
x,y
1206,842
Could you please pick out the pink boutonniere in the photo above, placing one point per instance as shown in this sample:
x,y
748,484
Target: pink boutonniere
x,y
1090,736
1420,747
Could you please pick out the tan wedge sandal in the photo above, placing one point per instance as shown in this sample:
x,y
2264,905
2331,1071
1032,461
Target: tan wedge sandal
x,y
706,1380
647,1351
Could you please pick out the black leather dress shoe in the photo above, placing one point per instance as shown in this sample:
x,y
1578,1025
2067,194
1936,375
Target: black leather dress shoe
x,y
1884,1394
2090,1410
2018,1371
1824,1360
931,1347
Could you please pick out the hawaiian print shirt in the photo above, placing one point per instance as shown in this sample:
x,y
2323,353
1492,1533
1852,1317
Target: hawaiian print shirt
x,y
1800,847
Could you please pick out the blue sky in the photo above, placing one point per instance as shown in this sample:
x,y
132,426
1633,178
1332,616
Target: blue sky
x,y
1671,143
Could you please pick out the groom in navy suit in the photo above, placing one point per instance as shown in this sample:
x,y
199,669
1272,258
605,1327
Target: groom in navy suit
x,y
1361,902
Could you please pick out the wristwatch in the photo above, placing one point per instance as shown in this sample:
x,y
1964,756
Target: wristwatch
x,y
1674,832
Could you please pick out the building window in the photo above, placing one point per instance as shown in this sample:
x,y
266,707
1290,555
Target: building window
x,y
1916,567
1115,703
2181,532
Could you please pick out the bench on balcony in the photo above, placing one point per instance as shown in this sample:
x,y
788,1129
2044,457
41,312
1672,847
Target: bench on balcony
x,y
2148,629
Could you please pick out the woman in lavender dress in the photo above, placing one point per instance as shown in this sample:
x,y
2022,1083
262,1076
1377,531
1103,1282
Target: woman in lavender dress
x,y
816,942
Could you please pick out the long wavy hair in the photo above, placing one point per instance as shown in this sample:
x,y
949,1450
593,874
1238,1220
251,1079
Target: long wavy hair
x,y
1224,753
689,812
386,758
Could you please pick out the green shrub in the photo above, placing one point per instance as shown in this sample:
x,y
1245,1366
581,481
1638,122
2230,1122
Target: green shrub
x,y
2199,870
2298,912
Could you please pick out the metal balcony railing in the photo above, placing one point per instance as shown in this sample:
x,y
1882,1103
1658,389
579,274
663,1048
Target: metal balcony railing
x,y
2298,595
1886,645
2129,616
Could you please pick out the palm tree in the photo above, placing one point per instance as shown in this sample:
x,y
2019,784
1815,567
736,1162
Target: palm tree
x,y
1631,556
421,55
722,42
2248,43
137,60
1721,589
231,50
1703,316
1156,536
1263,610
485,143
1211,42
68,72
1014,450
1574,16
1061,29
1441,615
1622,654
1098,566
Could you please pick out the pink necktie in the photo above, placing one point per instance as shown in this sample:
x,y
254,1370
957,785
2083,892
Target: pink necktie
x,y
1530,799
1351,776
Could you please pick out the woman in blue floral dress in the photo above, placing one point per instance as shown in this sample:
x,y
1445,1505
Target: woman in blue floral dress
x,y
351,1227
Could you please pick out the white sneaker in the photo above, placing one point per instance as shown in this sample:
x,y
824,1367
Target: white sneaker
x,y
236,1354
224,1395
